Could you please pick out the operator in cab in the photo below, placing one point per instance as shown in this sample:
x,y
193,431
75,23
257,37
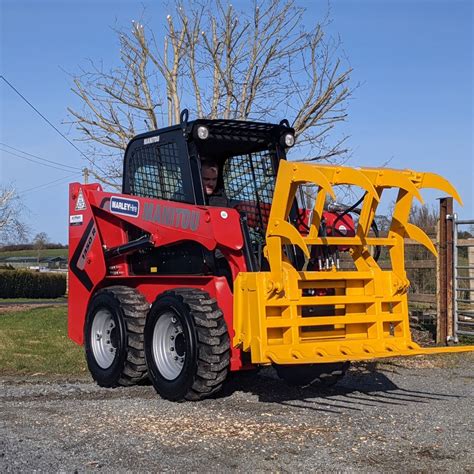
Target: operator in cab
x,y
213,195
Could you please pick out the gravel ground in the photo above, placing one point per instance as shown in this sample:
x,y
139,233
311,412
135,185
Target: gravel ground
x,y
414,417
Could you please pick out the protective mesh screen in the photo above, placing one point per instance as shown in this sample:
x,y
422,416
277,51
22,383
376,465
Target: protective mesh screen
x,y
249,180
156,172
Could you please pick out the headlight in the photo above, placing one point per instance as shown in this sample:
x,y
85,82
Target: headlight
x,y
202,132
289,139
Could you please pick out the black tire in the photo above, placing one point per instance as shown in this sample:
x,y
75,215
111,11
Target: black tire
x,y
123,310
317,375
194,364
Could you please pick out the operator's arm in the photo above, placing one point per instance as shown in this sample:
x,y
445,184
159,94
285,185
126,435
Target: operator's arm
x,y
218,199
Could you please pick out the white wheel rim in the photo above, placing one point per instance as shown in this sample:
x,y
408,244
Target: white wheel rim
x,y
104,338
168,346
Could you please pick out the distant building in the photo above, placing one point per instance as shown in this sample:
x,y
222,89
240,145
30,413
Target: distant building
x,y
55,262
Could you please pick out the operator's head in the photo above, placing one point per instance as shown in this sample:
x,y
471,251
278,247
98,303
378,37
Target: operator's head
x,y
209,173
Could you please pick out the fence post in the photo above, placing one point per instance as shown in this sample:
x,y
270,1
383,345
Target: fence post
x,y
445,326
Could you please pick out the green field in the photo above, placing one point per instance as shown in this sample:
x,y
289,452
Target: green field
x,y
34,253
35,342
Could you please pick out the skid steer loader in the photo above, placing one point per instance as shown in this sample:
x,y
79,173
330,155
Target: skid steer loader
x,y
163,285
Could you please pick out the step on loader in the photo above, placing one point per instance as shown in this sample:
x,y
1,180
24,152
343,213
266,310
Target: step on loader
x,y
168,284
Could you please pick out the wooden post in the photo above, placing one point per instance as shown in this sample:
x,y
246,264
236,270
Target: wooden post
x,y
445,316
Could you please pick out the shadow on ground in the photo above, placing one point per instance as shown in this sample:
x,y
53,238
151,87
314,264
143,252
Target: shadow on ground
x,y
355,392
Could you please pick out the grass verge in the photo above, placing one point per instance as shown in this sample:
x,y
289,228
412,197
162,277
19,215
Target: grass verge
x,y
35,342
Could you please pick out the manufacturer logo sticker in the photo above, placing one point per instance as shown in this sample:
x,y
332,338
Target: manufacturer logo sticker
x,y
76,219
124,206
166,215
80,203
148,141
342,229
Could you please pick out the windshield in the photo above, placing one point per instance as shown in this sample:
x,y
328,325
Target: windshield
x,y
249,182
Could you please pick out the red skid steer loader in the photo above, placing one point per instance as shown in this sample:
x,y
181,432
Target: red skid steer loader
x,y
164,285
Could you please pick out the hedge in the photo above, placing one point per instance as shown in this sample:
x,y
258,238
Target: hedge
x,y
18,247
26,284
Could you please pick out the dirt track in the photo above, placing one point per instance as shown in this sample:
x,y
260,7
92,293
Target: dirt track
x,y
396,419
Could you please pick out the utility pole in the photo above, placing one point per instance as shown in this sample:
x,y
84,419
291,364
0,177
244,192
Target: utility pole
x,y
85,172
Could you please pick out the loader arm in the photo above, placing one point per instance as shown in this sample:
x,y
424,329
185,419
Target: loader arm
x,y
370,318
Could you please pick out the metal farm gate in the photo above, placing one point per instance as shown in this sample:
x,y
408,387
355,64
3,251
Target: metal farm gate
x,y
463,277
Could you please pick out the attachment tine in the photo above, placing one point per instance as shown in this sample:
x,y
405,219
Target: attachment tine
x,y
388,178
286,231
415,233
306,173
433,180
344,175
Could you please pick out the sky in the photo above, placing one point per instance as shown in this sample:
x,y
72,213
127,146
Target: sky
x,y
412,106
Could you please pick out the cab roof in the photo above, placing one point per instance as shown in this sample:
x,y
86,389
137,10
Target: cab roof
x,y
227,137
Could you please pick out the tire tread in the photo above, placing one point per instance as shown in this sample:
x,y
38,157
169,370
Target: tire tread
x,y
213,354
135,308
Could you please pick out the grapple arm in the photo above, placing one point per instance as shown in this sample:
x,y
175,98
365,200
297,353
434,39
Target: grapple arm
x,y
364,315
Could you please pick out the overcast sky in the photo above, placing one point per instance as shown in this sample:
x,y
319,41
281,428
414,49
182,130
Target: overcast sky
x,y
413,108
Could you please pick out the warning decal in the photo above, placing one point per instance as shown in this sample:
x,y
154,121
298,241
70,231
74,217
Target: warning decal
x,y
80,203
79,258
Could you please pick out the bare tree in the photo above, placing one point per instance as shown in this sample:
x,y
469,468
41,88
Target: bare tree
x,y
426,217
219,63
39,243
12,229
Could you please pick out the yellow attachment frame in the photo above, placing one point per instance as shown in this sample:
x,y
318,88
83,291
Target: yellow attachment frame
x,y
365,312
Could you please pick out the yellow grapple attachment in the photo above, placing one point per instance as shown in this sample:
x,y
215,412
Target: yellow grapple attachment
x,y
370,304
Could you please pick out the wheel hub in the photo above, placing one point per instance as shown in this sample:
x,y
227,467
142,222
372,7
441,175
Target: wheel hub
x,y
180,345
169,346
104,338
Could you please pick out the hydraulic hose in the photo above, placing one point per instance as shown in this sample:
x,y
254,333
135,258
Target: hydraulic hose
x,y
373,225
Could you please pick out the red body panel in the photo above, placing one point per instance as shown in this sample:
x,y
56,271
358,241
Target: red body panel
x,y
98,221
339,225
86,258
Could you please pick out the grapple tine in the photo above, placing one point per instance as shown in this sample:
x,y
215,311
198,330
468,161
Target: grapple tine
x,y
288,233
353,176
433,180
387,178
306,173
290,175
415,233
